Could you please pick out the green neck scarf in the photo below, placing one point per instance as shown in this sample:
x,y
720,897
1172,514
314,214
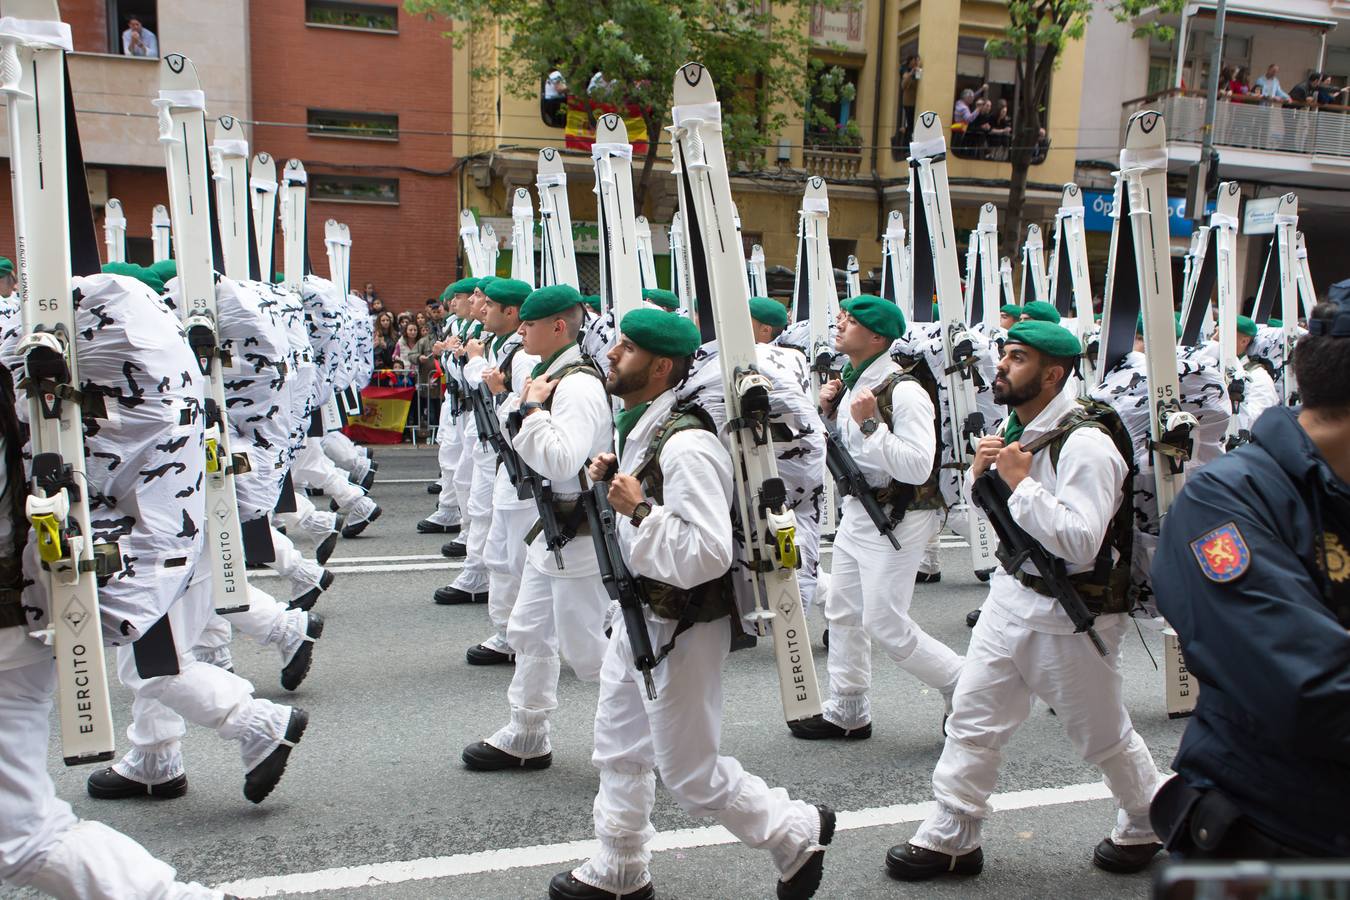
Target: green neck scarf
x,y
497,344
625,419
1012,428
851,375
543,366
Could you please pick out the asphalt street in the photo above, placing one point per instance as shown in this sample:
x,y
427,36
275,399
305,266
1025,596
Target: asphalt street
x,y
376,803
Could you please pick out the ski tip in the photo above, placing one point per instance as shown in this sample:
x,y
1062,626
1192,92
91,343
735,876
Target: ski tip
x,y
262,158
927,127
1146,129
177,73
521,198
550,161
1071,193
694,84
466,218
816,189
295,167
611,129
988,213
227,123
1288,204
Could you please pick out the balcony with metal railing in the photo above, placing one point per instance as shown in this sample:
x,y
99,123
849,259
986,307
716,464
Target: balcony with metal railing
x,y
1316,133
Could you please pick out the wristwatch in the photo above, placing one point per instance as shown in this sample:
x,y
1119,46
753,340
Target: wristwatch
x,y
640,512
869,426
529,407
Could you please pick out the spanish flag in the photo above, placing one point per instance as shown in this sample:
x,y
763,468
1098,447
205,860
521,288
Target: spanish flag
x,y
384,415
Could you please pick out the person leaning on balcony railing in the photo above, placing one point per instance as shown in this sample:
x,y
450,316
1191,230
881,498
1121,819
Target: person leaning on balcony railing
x,y
1269,84
1239,86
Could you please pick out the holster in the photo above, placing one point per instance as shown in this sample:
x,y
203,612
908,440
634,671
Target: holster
x,y
1208,825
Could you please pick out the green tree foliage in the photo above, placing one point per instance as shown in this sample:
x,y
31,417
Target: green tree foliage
x,y
1037,33
756,51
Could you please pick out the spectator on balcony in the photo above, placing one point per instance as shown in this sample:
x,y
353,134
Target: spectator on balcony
x,y
1239,86
1305,92
977,132
1000,134
553,97
966,107
911,71
137,40
1269,84
1328,94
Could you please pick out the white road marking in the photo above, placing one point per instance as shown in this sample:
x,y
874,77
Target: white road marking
x,y
352,877
377,567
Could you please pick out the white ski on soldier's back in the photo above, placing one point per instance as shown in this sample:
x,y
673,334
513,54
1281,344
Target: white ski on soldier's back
x,y
522,236
621,276
986,265
115,230
182,123
294,194
262,184
1033,266
895,264
759,277
852,278
1286,228
767,523
815,275
1223,232
559,256
1143,168
646,254
929,152
474,256
33,43
161,233
229,171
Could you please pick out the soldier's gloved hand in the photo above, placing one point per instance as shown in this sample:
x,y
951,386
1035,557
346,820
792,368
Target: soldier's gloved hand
x,y
985,454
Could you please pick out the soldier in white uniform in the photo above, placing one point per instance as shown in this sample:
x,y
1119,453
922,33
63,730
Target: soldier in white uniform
x,y
1024,646
449,436
559,612
42,843
507,368
1259,393
673,492
872,583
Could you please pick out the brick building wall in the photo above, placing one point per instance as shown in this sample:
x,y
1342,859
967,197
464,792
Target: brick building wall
x,y
407,250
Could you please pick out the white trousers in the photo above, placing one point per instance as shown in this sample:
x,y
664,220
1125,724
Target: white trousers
x,y
552,617
449,442
483,471
203,694
266,621
504,557
340,449
1007,666
313,469
679,736
291,563
869,597
312,523
42,844
931,564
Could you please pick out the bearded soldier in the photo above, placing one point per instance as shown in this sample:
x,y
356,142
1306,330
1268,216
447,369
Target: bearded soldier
x,y
1024,646
560,609
886,423
673,490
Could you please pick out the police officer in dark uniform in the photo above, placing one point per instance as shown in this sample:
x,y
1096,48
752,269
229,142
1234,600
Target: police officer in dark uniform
x,y
1253,571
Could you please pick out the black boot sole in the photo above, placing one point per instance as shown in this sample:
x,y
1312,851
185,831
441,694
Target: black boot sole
x,y
565,886
970,864
293,675
351,531
486,656
262,779
817,728
807,880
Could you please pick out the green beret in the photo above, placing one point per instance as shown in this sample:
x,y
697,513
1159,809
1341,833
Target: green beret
x,y
1246,326
549,301
140,273
660,332
6,266
876,315
1274,322
1047,337
768,312
166,269
1041,312
1011,309
485,281
463,286
592,300
663,299
508,291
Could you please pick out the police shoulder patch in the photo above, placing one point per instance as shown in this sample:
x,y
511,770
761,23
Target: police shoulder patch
x,y
1223,554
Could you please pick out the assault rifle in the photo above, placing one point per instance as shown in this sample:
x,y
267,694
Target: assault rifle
x,y
851,481
619,581
506,454
1016,547
530,483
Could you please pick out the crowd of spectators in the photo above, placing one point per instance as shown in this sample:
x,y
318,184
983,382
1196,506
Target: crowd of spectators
x,y
983,128
403,350
1318,89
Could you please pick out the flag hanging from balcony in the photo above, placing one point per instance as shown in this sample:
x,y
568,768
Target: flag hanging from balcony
x,y
384,415
582,114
